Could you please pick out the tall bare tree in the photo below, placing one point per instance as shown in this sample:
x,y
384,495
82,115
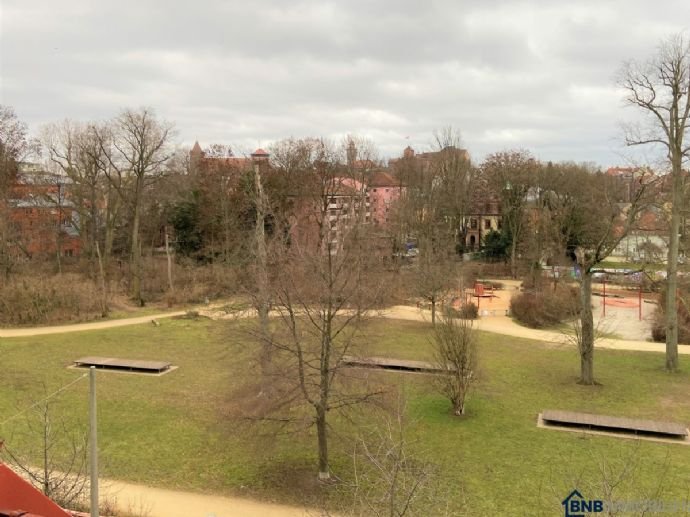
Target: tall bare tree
x,y
512,174
433,212
325,288
603,222
137,147
660,88
74,149
13,147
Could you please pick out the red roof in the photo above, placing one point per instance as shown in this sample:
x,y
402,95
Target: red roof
x,y
17,494
383,179
259,152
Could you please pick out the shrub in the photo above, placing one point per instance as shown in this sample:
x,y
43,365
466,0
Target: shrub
x,y
659,321
193,283
35,300
548,307
468,311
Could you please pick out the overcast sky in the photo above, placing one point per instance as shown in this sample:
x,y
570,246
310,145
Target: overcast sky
x,y
538,75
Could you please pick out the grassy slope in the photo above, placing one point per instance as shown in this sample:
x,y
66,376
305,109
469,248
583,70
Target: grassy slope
x,y
170,431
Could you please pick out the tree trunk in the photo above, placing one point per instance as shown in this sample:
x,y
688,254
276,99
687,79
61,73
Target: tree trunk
x,y
262,271
169,257
110,220
433,311
513,258
103,282
135,274
586,342
324,469
672,274
324,382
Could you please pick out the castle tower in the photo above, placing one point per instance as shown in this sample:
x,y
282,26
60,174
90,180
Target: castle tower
x,y
351,154
195,157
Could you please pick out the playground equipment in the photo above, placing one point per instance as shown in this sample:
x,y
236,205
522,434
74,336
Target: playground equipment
x,y
623,302
480,291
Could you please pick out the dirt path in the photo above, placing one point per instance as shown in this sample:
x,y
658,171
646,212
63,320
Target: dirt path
x,y
497,324
77,327
506,326
156,502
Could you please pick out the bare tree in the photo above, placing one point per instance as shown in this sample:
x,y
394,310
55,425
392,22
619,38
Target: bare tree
x,y
263,302
604,222
325,288
456,179
660,88
456,351
74,150
388,479
432,212
55,459
512,174
13,147
435,271
137,147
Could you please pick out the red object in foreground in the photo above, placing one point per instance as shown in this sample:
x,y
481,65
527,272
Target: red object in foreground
x,y
20,498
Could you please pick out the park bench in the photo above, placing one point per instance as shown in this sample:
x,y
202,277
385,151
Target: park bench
x,y
648,428
117,364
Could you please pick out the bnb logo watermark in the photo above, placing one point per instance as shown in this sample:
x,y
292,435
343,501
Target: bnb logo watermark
x,y
575,505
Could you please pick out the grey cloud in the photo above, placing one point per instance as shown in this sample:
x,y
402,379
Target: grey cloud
x,y
534,74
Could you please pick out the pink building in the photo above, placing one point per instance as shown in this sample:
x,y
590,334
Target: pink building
x,y
326,214
384,191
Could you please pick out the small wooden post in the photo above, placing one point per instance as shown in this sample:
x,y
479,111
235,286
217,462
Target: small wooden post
x,y
639,302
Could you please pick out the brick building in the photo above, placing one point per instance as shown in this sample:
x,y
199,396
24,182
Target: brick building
x,y
42,214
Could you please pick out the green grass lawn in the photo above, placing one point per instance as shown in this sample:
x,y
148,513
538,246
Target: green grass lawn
x,y
174,431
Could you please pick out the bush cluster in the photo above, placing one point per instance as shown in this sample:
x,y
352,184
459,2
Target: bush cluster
x,y
659,321
546,307
32,300
192,283
468,311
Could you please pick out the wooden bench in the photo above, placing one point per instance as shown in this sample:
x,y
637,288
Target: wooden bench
x,y
130,365
386,363
614,424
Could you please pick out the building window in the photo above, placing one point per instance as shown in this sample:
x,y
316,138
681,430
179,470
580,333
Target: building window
x,y
473,224
487,224
498,224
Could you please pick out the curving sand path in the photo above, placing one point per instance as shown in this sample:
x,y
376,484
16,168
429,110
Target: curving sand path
x,y
157,502
77,327
507,327
497,324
